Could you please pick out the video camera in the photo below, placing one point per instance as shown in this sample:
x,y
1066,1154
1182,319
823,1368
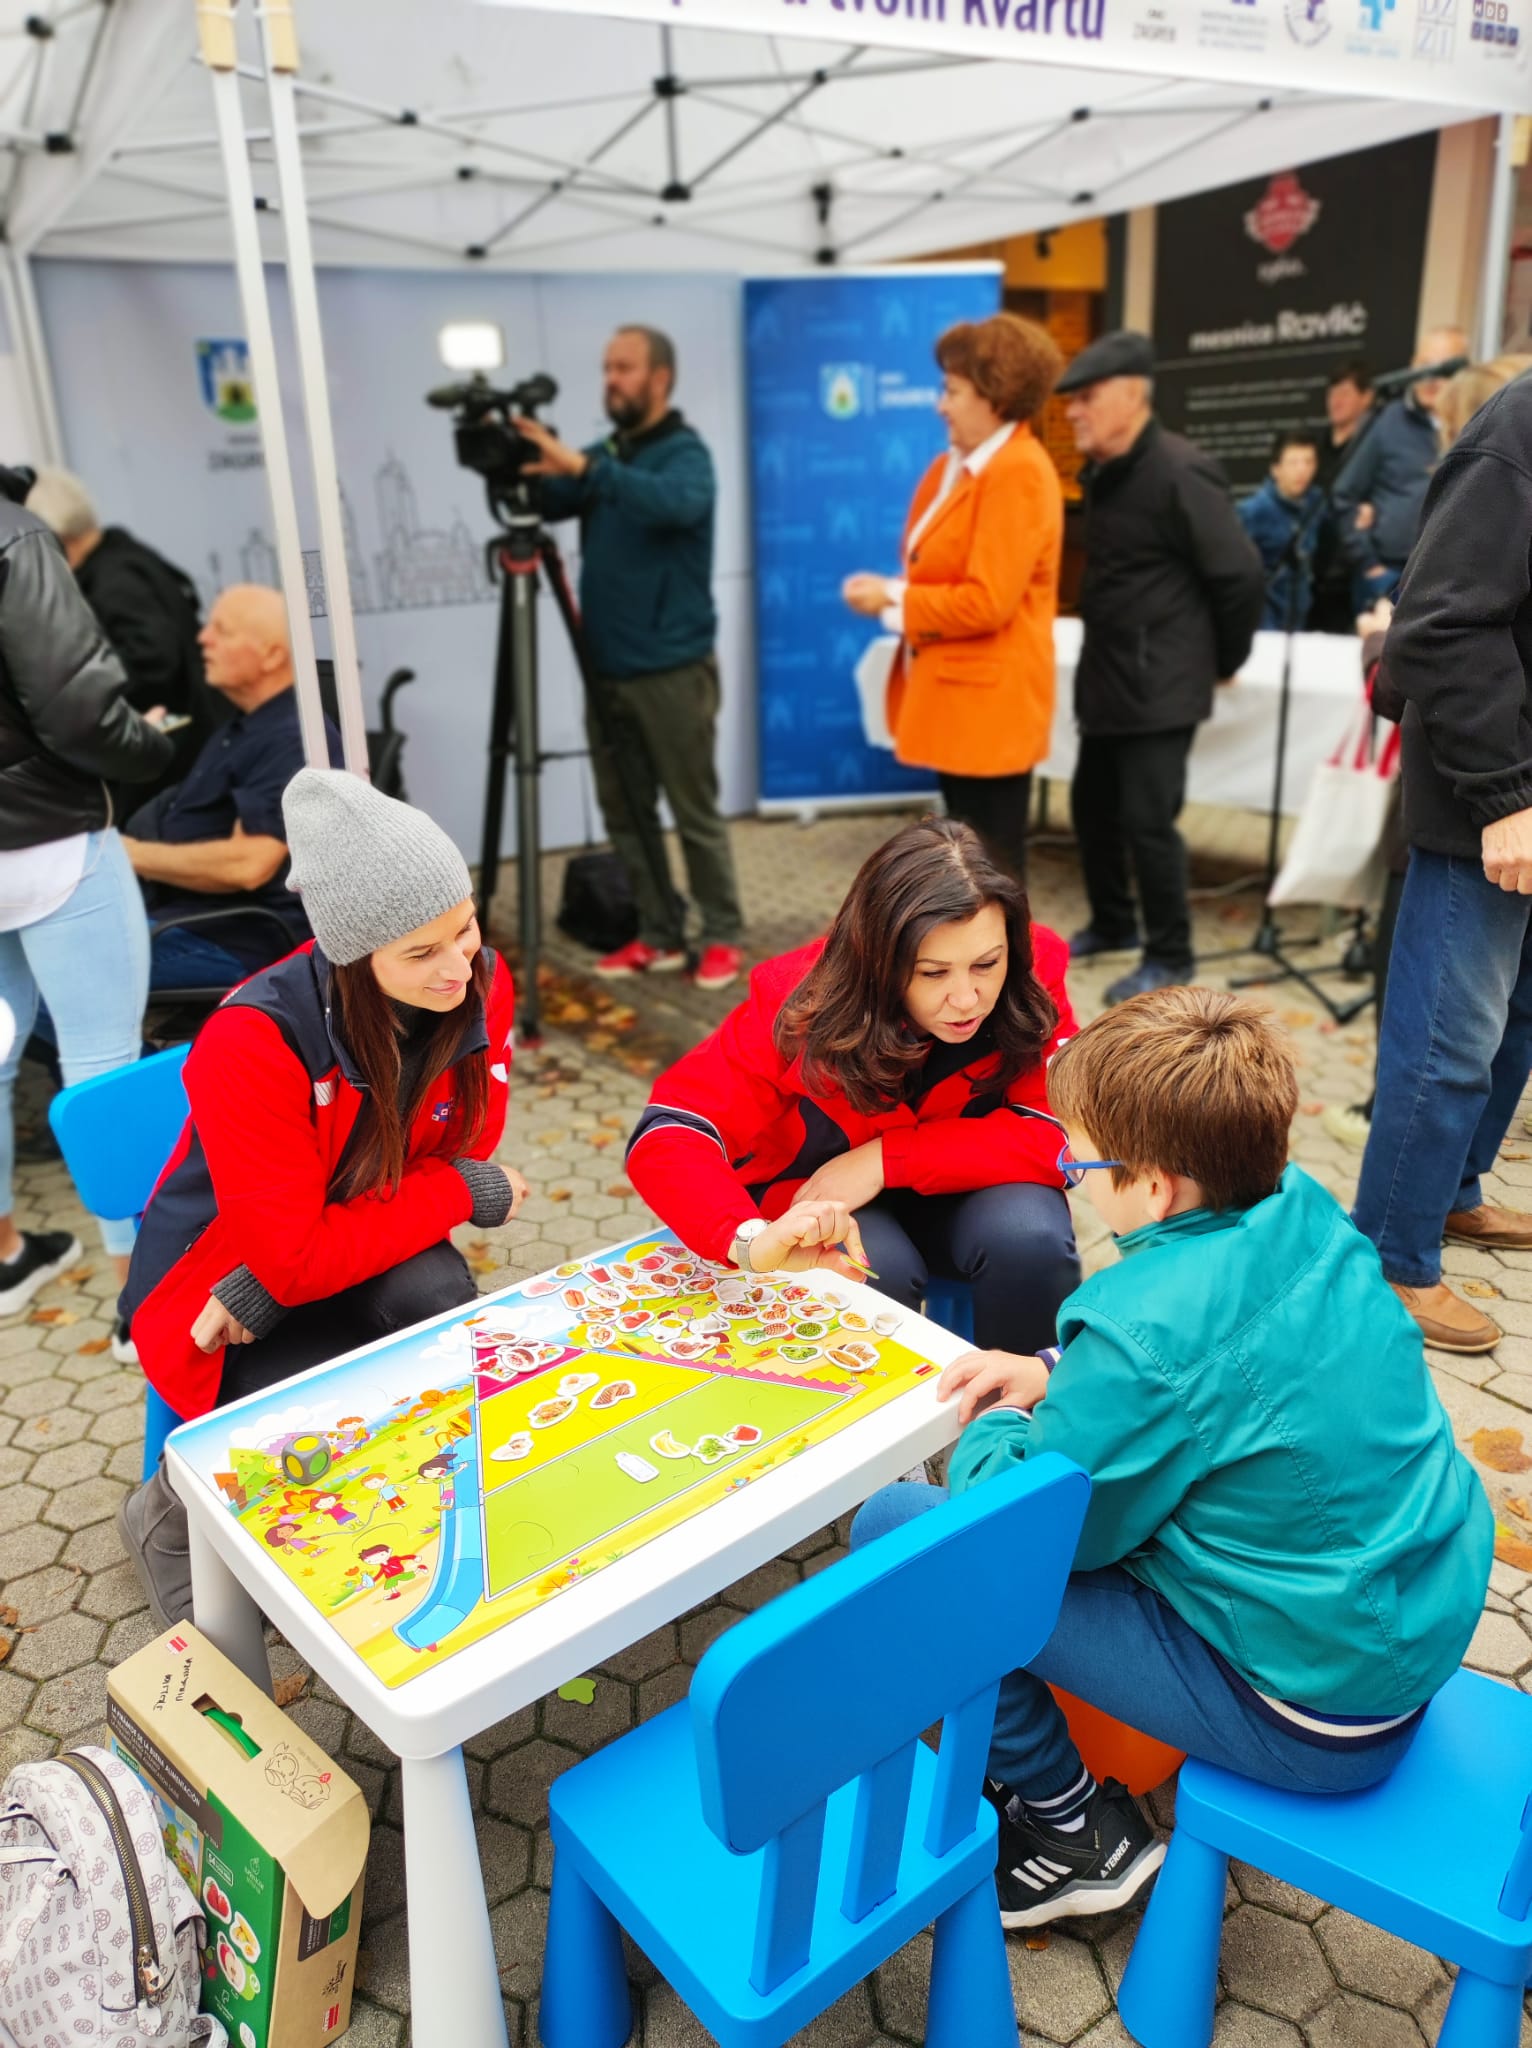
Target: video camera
x,y
486,438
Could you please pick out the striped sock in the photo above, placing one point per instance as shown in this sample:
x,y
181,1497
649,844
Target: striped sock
x,y
1066,1810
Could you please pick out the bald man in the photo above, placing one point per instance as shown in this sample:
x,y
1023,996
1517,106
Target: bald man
x,y
215,840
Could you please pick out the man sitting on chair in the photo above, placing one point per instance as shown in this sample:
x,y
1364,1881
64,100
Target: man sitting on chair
x,y
216,841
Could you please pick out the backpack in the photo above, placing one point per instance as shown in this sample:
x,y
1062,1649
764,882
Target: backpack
x,y
99,1934
597,908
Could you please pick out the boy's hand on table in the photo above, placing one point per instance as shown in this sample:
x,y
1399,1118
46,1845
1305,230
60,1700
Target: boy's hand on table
x,y
990,1379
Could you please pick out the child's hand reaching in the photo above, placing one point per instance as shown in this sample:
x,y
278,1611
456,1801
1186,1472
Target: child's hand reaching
x,y
989,1379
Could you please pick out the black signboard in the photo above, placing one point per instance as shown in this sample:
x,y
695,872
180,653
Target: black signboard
x,y
1263,288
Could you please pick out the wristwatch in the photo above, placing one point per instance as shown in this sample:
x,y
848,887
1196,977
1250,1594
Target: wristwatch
x,y
744,1237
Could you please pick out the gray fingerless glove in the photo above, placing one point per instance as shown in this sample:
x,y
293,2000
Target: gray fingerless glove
x,y
249,1302
490,1187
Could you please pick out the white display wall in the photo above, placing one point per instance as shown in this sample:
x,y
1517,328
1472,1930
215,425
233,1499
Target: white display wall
x,y
148,393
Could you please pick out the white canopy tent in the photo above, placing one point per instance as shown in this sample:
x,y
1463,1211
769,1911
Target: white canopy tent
x,y
647,134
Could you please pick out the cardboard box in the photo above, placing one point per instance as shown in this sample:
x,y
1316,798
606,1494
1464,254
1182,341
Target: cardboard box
x,y
270,1836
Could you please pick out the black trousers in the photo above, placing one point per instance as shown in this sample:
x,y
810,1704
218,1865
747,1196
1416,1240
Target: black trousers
x,y
1127,794
1015,1245
997,807
426,1285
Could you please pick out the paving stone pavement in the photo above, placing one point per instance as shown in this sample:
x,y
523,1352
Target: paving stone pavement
x,y
1295,1971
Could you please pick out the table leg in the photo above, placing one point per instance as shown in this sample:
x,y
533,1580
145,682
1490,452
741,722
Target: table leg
x,y
225,1612
454,1981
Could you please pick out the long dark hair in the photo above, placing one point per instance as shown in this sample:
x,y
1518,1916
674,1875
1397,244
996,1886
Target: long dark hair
x,y
373,1161
848,1017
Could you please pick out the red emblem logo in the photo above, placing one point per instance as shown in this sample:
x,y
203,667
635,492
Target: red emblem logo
x,y
179,1643
1285,213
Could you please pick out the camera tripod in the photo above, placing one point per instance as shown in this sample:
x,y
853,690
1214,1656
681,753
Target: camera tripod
x,y
524,551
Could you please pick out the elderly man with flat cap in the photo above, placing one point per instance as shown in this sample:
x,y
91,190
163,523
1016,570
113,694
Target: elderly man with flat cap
x,y
1171,599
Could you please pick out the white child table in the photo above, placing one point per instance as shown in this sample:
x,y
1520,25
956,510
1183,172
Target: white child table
x,y
425,1720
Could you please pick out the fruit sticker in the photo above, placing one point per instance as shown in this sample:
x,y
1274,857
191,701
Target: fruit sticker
x,y
242,1934
232,1963
744,1434
664,1445
216,1899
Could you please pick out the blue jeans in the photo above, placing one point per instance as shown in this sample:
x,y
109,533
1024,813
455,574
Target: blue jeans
x,y
89,960
1119,1646
1454,1052
1014,1245
182,959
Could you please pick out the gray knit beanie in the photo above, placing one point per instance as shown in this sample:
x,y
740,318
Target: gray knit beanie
x,y
369,868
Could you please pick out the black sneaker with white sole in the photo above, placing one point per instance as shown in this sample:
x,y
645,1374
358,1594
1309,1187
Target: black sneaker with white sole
x,y
1048,1874
124,1350
43,1256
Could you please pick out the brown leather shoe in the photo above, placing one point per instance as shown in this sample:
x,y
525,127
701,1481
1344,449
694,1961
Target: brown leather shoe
x,y
1504,1230
1447,1322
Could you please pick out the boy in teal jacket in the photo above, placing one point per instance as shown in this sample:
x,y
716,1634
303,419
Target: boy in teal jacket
x,y
1285,1553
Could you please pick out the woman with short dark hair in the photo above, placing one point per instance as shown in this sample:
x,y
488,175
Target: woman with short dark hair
x,y
971,693
884,1090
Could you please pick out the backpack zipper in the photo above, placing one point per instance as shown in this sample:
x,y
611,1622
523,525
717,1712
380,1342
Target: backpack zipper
x,y
152,1982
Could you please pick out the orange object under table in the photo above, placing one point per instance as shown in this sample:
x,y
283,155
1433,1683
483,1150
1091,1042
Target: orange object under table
x,y
1111,1749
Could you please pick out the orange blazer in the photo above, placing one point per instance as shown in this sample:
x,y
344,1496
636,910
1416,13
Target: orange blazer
x,y
972,690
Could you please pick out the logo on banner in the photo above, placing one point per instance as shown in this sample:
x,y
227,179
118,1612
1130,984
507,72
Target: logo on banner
x,y
1372,14
1435,30
1492,24
1308,21
841,389
227,390
1283,215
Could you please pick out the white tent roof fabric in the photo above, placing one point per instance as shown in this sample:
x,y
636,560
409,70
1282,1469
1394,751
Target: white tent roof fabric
x,y
560,138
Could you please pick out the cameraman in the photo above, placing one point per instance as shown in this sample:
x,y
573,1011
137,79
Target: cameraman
x,y
644,497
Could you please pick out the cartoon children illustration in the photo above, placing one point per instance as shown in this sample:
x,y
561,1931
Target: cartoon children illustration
x,y
286,1533
329,1504
380,1565
388,1494
443,1469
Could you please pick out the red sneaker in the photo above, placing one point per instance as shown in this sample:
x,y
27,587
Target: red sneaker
x,y
637,958
718,966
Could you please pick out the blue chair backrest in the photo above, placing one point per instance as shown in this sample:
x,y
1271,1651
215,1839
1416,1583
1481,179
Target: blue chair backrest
x,y
838,1678
117,1130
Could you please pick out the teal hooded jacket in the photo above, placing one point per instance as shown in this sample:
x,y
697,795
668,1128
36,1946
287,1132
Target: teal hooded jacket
x,y
1267,1452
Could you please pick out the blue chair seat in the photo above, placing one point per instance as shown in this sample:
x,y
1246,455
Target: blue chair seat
x,y
698,1930
1425,1855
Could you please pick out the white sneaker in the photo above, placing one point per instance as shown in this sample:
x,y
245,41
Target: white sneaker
x,y
1347,1126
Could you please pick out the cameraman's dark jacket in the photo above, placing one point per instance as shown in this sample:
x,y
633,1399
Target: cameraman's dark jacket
x,y
65,727
1458,659
1173,588
646,540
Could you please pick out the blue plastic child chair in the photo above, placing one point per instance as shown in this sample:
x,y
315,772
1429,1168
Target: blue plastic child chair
x,y
1440,1854
949,1303
116,1131
773,1839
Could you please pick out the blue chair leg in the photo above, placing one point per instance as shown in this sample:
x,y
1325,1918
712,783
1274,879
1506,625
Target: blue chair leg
x,y
159,1420
1166,1997
949,1303
1481,2014
970,2004
586,2002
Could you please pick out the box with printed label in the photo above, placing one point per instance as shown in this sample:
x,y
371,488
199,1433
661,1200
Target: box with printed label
x,y
269,1834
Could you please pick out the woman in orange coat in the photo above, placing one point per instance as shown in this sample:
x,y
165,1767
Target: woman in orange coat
x,y
971,693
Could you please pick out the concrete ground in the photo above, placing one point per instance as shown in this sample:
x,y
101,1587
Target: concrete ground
x,y
1295,1971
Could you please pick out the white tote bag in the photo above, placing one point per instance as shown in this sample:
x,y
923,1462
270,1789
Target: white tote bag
x,y
872,674
1337,853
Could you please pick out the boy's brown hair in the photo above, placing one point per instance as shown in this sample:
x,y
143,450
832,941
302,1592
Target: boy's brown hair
x,y
1189,1080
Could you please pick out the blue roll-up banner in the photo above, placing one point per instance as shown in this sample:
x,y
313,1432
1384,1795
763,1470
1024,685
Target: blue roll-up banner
x,y
843,385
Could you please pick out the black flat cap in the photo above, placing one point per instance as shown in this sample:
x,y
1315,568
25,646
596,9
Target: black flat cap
x,y
1123,354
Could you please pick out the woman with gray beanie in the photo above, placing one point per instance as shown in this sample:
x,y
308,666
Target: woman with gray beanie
x,y
344,1106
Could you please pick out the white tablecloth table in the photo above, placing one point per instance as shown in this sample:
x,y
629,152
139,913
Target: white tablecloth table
x,y
1234,754
454,1983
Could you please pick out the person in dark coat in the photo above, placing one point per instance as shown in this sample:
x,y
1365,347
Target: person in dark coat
x,y
1283,518
1455,1038
1171,599
147,608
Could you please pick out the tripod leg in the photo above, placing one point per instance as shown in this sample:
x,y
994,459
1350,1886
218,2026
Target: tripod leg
x,y
499,749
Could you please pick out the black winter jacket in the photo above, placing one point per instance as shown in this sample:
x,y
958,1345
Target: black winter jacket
x,y
1173,588
65,727
1459,650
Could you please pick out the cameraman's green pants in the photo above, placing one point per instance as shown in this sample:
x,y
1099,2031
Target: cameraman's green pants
x,y
665,727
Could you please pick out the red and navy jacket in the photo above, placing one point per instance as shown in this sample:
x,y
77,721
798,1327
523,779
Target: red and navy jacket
x,y
274,1095
733,1131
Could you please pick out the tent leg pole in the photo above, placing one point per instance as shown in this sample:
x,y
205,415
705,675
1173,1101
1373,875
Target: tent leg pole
x,y
215,20
27,327
1495,276
281,49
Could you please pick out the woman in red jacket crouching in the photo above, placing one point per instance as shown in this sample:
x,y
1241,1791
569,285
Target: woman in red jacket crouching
x,y
884,1089
344,1104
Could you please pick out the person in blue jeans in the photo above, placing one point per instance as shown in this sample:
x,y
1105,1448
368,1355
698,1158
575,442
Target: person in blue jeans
x,y
1455,1039
1285,1553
